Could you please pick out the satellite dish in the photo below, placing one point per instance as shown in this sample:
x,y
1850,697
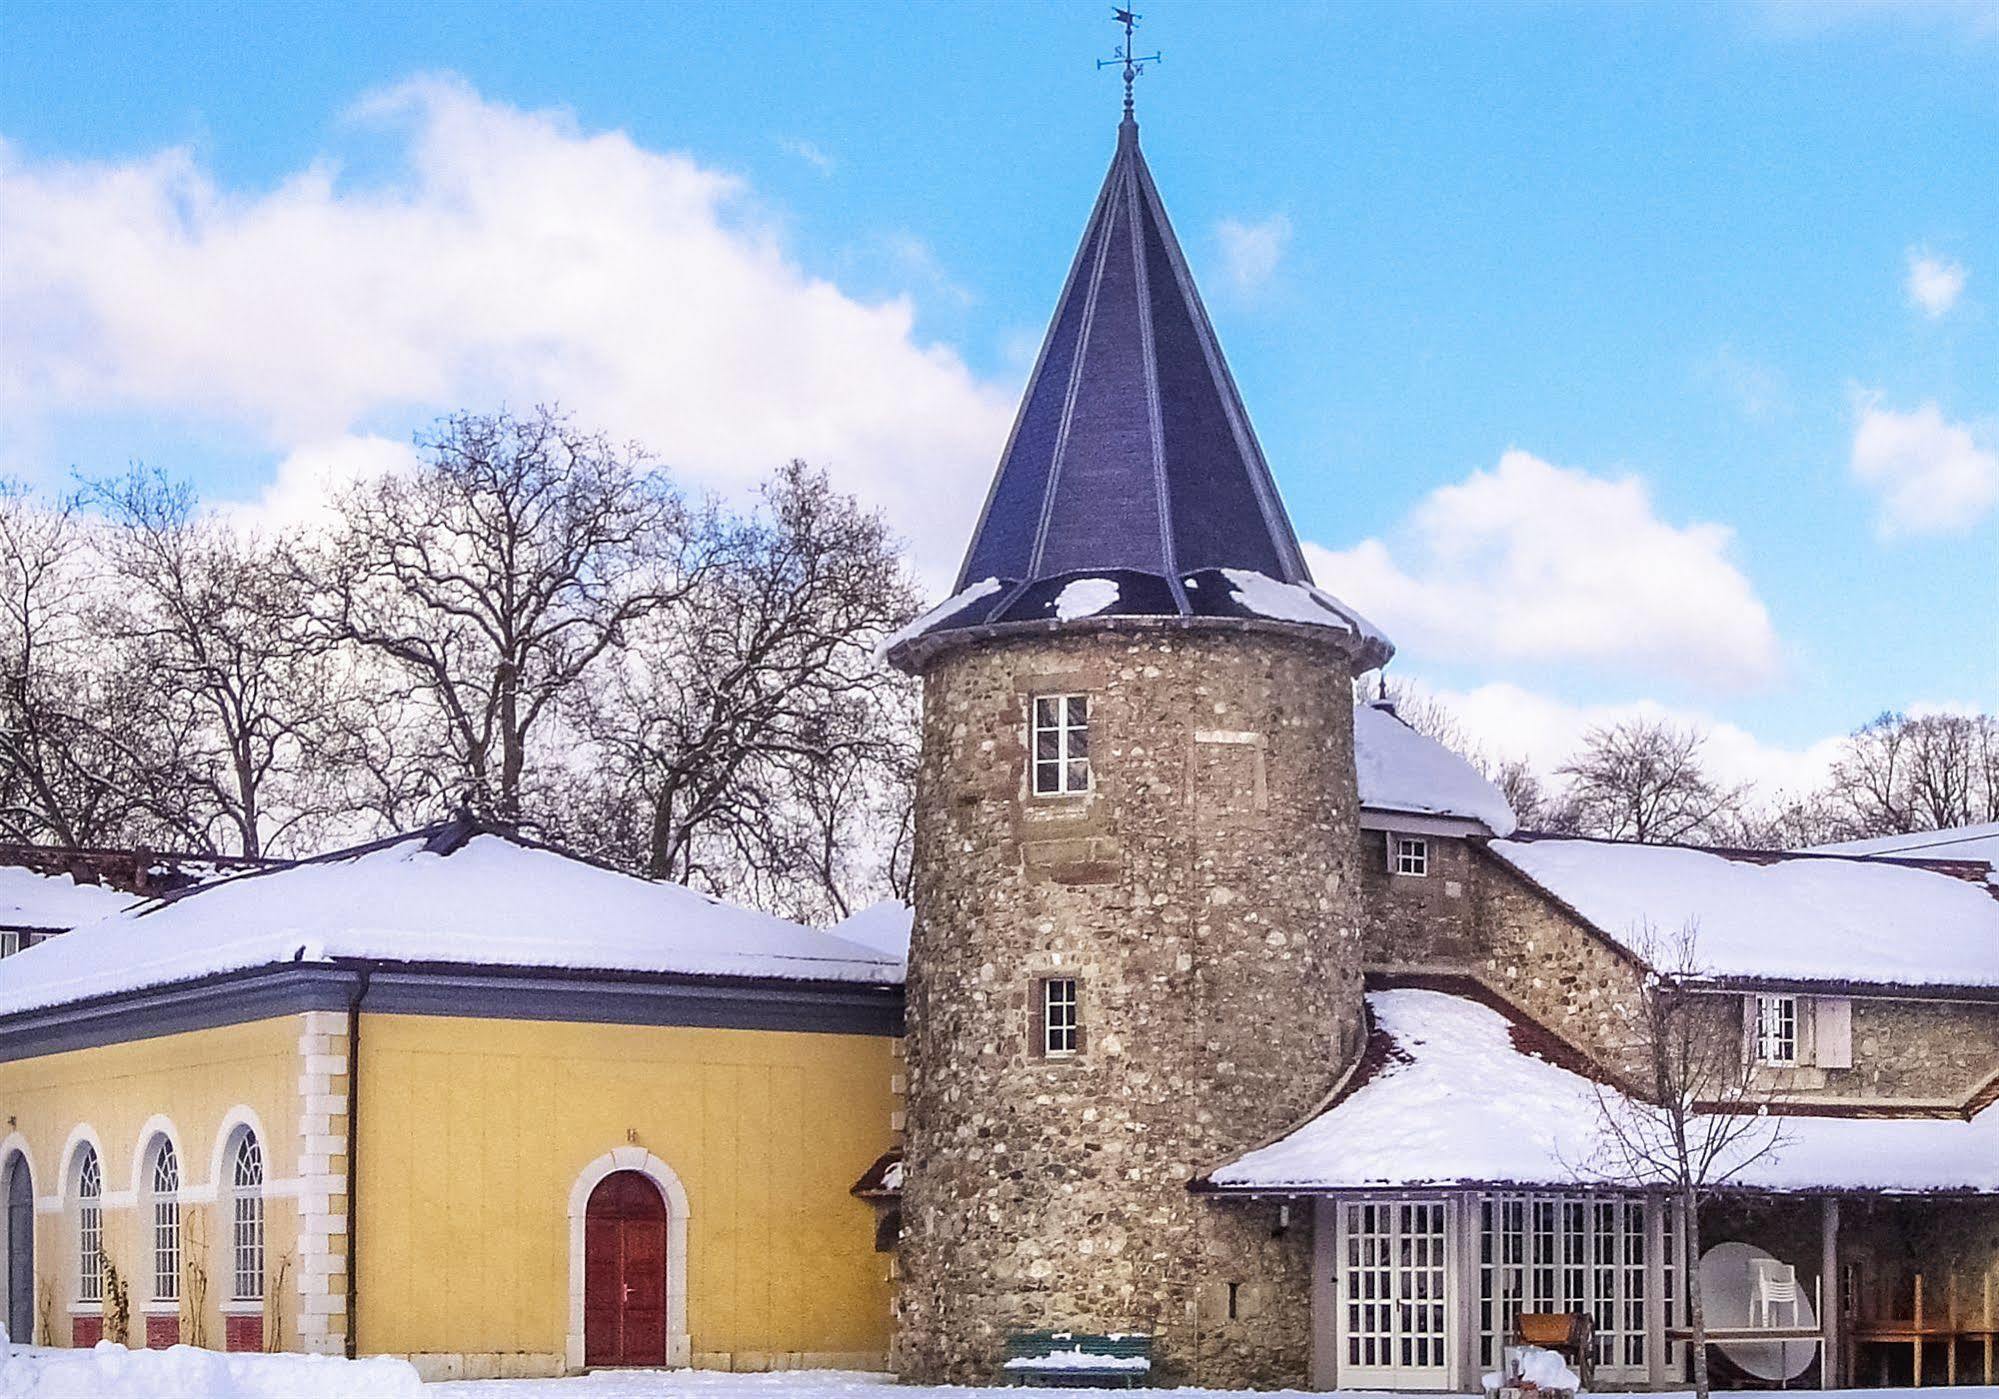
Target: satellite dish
x,y
1728,1288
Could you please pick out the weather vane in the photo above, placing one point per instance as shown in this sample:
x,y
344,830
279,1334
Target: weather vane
x,y
1133,63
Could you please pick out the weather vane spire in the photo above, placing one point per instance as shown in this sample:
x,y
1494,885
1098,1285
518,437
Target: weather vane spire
x,y
1132,63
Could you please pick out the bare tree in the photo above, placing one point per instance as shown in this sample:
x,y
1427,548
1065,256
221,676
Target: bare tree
x,y
235,700
1902,773
65,778
752,725
1689,1112
1642,780
493,578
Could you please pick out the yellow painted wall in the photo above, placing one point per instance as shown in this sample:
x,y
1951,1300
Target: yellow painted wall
x,y
473,1133
193,1079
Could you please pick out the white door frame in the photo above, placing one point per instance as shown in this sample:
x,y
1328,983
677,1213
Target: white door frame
x,y
1444,1374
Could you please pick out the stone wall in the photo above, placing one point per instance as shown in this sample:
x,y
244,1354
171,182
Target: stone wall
x,y
1203,893
1428,922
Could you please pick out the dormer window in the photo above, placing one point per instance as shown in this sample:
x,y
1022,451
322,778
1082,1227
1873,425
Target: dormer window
x,y
1777,1030
1409,855
1061,745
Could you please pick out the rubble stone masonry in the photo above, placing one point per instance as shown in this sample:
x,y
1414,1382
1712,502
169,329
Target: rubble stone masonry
x,y
1204,895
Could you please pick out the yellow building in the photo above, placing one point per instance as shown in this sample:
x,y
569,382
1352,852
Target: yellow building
x,y
457,1097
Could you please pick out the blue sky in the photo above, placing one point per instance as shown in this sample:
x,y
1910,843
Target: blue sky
x,y
1721,277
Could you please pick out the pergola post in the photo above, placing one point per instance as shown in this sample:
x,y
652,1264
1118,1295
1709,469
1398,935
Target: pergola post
x,y
1829,1351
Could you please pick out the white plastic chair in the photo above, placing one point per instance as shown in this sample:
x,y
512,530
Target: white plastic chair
x,y
1775,1285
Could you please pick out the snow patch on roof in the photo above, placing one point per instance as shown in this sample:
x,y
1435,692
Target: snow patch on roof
x,y
1956,843
950,607
489,902
881,927
1462,1105
29,899
1269,597
1402,770
1085,597
1804,918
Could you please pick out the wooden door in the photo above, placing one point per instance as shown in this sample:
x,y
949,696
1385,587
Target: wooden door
x,y
624,1273
20,1261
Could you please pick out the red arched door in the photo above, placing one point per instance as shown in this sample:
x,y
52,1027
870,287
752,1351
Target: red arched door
x,y
624,1273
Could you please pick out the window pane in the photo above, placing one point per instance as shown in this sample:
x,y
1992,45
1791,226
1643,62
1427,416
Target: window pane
x,y
1047,777
1079,777
1079,711
1044,713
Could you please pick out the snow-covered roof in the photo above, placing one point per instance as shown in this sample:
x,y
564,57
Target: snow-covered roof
x,y
1405,771
882,926
1956,843
30,899
1776,917
486,901
1457,1100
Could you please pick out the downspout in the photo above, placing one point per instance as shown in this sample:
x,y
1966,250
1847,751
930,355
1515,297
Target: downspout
x,y
353,1148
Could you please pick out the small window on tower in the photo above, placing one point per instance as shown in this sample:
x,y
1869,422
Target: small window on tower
x,y
1060,1028
1061,745
1409,855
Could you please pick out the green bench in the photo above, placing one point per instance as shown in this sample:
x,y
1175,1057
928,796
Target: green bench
x,y
1073,1360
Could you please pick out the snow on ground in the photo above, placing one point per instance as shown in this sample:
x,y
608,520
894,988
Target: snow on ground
x,y
836,1384
1812,918
488,902
1402,770
1459,1104
29,899
114,1372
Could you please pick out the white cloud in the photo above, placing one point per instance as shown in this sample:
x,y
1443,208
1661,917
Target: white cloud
x,y
1251,252
1933,283
1758,390
1531,562
301,492
1933,476
811,154
1506,722
511,258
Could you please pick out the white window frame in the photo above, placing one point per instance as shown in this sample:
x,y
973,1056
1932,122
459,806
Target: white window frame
x,y
1409,856
90,1228
1594,1253
1061,1034
165,1174
10,941
1070,764
246,1218
1779,1031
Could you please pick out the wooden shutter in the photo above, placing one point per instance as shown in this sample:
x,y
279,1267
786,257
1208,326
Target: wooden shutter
x,y
1749,1029
1037,1017
1832,1019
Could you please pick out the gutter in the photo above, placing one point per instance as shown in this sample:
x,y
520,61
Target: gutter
x,y
353,1152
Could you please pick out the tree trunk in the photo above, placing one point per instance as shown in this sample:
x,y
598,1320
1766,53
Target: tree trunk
x,y
1690,1263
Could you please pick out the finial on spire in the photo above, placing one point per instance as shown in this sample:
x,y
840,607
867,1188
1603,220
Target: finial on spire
x,y
1133,64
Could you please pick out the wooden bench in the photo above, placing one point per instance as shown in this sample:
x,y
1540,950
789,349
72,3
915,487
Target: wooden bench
x,y
1073,1360
1571,1335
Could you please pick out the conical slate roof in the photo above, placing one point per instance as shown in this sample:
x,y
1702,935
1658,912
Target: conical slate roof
x,y
1132,484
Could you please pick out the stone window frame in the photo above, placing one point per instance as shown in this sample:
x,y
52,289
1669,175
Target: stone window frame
x,y
1408,856
1063,762
1037,1016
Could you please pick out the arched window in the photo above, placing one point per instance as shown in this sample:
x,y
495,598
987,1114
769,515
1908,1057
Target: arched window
x,y
246,1217
89,1228
166,1223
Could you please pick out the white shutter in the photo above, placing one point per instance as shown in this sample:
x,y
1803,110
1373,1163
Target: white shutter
x,y
1832,1018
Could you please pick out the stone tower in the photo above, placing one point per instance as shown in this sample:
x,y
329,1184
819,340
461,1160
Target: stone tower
x,y
1137,941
